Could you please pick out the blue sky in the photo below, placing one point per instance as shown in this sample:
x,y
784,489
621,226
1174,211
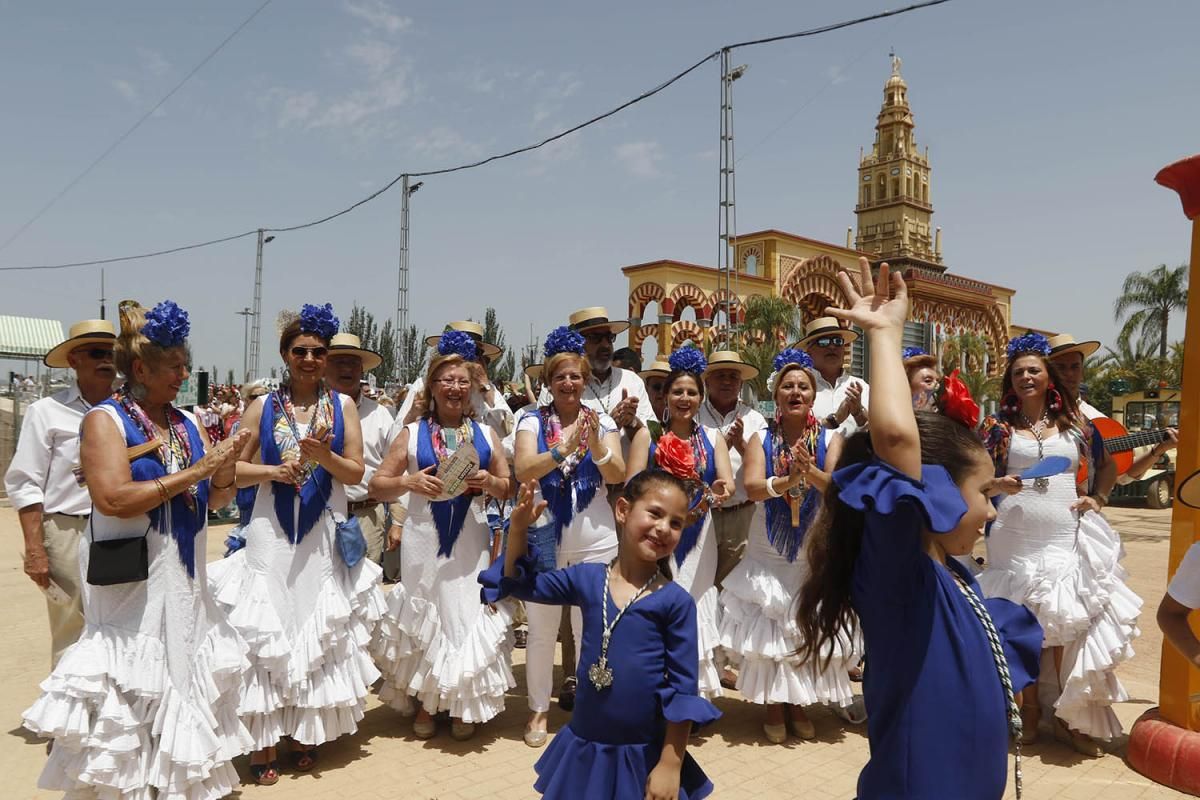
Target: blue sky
x,y
1046,123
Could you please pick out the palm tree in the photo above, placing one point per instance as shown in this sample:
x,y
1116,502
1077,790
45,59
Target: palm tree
x,y
967,351
1151,297
770,317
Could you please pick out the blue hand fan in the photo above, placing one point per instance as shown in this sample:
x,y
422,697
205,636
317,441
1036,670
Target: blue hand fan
x,y
1050,465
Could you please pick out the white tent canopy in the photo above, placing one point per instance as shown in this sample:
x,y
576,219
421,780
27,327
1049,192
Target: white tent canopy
x,y
28,338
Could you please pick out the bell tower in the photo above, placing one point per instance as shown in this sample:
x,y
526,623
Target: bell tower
x,y
894,209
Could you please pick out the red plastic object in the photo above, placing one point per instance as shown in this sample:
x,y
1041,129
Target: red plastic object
x,y
1165,753
1184,177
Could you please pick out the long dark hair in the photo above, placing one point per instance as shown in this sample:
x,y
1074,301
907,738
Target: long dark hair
x,y
1066,416
835,539
673,376
641,483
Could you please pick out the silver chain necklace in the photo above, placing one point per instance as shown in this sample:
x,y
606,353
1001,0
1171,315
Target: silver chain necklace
x,y
1041,484
600,674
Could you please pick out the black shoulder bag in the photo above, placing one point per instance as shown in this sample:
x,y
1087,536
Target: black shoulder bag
x,y
115,561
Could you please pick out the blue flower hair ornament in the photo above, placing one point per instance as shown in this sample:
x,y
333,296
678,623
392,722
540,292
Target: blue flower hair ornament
x,y
319,320
792,356
167,325
913,352
688,359
563,340
458,343
1029,343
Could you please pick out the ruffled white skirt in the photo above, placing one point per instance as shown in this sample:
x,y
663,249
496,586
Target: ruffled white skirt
x,y
698,574
758,630
123,729
1081,599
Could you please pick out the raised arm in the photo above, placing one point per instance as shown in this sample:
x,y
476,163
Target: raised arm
x,y
880,308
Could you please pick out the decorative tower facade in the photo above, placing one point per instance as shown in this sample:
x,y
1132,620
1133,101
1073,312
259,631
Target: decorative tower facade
x,y
894,209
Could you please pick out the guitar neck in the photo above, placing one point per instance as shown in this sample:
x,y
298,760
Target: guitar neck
x,y
1119,444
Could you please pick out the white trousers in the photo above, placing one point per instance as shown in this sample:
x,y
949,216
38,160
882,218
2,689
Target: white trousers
x,y
543,622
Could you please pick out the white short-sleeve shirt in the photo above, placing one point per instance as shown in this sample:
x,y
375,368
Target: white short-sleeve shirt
x,y
1185,586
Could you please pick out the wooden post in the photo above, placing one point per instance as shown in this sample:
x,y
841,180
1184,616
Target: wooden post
x,y
1179,681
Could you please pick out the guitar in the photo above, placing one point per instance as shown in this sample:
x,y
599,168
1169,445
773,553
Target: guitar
x,y
1119,443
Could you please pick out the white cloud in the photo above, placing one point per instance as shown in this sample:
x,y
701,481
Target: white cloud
x,y
378,14
153,61
373,55
295,108
442,141
836,75
640,158
126,89
382,95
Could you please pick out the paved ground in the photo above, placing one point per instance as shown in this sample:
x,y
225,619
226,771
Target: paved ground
x,y
385,761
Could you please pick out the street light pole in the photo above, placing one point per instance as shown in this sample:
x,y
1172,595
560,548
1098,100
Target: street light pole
x,y
245,314
406,191
256,340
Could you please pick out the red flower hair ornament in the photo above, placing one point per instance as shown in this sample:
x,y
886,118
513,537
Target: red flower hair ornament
x,y
955,401
674,455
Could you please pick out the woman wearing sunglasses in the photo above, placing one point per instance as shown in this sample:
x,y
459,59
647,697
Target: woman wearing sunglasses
x,y
306,615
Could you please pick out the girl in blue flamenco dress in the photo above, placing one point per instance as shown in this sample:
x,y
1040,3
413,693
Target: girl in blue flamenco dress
x,y
908,496
638,693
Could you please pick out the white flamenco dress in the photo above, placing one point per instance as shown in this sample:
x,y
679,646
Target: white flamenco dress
x,y
144,705
308,619
758,630
438,643
1066,569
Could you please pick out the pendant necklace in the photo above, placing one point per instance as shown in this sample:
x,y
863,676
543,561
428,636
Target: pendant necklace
x,y
602,400
600,674
1041,484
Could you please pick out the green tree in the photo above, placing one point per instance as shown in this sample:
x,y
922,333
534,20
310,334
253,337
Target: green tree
x,y
967,352
362,324
1149,298
769,317
1137,366
386,371
412,355
501,368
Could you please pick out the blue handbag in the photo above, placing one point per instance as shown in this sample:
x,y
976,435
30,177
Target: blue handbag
x,y
349,539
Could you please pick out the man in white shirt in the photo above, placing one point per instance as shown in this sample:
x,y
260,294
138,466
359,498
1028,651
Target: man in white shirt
x,y
738,422
617,392
1181,599
343,371
841,401
487,401
53,508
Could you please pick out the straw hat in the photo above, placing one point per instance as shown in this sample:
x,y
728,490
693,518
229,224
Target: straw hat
x,y
472,329
659,368
1065,343
595,318
90,331
730,359
533,372
347,344
824,326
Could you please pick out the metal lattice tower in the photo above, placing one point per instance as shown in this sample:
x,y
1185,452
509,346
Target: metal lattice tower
x,y
727,204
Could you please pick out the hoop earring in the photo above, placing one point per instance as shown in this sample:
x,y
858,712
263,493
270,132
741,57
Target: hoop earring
x,y
1010,404
1054,399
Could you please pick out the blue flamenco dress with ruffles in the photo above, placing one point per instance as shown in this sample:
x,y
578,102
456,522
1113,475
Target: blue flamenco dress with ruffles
x,y
938,726
616,735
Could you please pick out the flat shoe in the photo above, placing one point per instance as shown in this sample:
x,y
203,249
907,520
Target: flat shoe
x,y
461,731
776,734
426,729
1083,744
536,738
802,728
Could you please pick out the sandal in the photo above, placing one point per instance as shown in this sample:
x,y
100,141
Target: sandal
x,y
304,759
265,774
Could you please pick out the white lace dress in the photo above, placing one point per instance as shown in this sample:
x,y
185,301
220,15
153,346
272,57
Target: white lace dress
x,y
144,705
758,629
438,643
1066,569
308,620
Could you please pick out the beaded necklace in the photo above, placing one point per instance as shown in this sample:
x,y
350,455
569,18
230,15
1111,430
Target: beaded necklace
x,y
446,440
176,450
553,428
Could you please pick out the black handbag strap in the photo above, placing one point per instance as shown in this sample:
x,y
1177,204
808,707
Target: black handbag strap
x,y
92,525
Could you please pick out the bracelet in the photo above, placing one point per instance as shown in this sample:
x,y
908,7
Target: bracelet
x,y
557,456
1101,499
607,458
771,487
163,496
213,485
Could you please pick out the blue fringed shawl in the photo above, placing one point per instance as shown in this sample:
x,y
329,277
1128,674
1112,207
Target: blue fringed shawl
x,y
780,533
449,515
691,534
556,490
183,520
314,495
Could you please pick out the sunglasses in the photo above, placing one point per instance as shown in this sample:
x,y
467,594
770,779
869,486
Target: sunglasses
x,y
596,338
98,353
831,341
316,352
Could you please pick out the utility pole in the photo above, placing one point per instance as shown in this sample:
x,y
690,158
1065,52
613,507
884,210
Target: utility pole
x,y
406,191
727,205
255,342
245,314
102,294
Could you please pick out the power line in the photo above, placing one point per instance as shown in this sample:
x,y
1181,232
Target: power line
x,y
133,128
488,160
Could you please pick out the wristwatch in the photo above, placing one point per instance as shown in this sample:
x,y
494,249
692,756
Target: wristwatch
x,y
832,421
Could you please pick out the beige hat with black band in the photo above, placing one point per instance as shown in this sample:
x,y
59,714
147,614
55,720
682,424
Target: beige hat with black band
x,y
730,359
660,369
596,318
824,326
347,344
89,331
472,329
1065,343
